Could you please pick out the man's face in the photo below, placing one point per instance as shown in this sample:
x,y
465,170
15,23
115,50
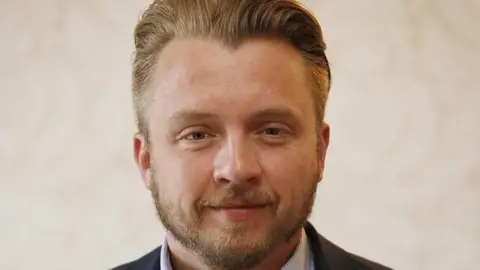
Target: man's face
x,y
235,152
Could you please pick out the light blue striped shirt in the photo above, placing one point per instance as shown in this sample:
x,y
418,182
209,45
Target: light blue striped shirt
x,y
302,258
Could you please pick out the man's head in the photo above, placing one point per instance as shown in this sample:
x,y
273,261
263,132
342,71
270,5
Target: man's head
x,y
230,98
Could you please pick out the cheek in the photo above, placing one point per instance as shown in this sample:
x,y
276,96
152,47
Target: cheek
x,y
184,176
290,173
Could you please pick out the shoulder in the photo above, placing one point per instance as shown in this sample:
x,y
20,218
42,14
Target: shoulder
x,y
148,261
334,257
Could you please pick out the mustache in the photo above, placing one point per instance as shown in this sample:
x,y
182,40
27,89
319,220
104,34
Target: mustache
x,y
234,195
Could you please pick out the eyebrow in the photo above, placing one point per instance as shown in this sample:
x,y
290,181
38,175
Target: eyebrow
x,y
281,113
190,115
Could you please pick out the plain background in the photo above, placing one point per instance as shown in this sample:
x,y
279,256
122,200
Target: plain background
x,y
402,181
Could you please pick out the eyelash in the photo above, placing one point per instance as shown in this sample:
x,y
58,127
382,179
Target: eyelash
x,y
279,130
205,134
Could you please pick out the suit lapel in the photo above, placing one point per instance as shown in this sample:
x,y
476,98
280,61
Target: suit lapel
x,y
328,256
319,260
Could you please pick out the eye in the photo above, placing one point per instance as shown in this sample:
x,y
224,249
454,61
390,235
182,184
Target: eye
x,y
273,131
197,136
275,134
196,139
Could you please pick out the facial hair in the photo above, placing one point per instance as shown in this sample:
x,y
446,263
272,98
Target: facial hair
x,y
222,253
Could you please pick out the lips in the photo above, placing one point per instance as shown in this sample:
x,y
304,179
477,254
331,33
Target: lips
x,y
239,212
238,206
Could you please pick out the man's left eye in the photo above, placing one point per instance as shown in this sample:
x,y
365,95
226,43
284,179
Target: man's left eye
x,y
273,131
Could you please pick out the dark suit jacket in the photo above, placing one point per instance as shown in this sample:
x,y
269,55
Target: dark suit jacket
x,y
326,256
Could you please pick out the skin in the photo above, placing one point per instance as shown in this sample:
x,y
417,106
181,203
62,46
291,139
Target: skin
x,y
230,129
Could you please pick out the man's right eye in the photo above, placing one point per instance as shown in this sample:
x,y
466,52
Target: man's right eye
x,y
197,136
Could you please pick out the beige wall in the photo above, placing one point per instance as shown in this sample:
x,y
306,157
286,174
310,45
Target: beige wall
x,y
402,184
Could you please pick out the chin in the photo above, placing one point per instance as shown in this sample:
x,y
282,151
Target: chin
x,y
240,236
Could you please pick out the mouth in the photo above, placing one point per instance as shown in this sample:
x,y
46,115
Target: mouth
x,y
238,206
237,212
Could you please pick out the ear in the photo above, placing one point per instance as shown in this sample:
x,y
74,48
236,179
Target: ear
x,y
142,158
323,139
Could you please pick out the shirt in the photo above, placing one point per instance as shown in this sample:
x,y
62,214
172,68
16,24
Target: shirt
x,y
302,258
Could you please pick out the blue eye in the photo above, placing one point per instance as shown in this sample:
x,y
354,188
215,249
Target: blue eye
x,y
197,136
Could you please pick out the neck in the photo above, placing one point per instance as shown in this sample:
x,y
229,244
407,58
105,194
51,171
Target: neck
x,y
182,259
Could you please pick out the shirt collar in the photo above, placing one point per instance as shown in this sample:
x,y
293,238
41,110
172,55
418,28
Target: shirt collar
x,y
300,260
165,263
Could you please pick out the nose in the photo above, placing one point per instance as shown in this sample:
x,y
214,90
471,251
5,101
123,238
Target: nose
x,y
236,162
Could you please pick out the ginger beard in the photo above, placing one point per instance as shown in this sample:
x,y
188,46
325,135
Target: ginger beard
x,y
237,249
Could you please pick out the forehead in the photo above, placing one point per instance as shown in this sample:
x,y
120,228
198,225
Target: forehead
x,y
207,76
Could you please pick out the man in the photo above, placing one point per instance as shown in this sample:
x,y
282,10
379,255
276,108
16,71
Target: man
x,y
230,98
